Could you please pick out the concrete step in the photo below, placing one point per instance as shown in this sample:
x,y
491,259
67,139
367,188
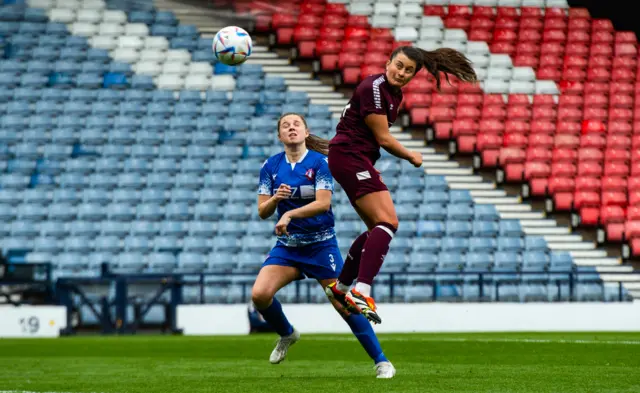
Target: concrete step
x,y
587,253
545,231
545,223
565,246
483,192
606,262
270,62
503,200
449,171
507,215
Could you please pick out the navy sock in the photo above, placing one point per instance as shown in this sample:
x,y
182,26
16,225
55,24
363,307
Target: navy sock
x,y
276,318
363,331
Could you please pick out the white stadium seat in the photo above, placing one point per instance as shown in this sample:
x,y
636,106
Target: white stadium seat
x,y
223,82
455,34
455,44
384,9
436,2
111,16
125,41
509,3
432,21
136,29
125,55
546,87
84,29
479,61
71,4
152,42
409,20
431,33
499,73
178,55
406,34
523,74
500,60
360,8
154,55
174,68
383,21
112,29
429,44
171,82
495,86
481,73
197,82
44,4
522,87
103,42
63,15
89,16
557,3
147,68
200,68
94,4
477,47
410,9
533,3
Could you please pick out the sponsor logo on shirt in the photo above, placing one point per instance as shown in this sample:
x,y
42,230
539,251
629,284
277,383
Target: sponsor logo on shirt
x,y
310,174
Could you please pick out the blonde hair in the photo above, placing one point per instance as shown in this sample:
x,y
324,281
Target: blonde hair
x,y
313,142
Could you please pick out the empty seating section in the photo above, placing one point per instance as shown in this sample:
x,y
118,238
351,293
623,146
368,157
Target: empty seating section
x,y
123,141
555,108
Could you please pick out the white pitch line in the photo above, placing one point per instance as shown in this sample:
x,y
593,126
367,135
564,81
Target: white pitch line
x,y
484,340
27,391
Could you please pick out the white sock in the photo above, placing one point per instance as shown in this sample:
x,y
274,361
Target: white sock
x,y
343,287
364,289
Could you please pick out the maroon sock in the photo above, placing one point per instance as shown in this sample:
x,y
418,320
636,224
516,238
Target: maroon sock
x,y
375,249
352,263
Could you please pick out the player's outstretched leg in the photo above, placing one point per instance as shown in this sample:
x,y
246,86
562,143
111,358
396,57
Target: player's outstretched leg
x,y
363,331
337,290
270,279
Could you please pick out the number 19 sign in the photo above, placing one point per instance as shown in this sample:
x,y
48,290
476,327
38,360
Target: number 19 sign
x,y
32,321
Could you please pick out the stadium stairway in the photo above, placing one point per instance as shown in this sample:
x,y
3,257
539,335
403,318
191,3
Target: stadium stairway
x,y
437,166
536,223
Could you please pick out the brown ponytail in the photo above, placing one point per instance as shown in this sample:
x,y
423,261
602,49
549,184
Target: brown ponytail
x,y
446,60
313,142
318,144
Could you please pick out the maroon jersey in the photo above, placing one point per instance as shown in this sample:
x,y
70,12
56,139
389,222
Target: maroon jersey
x,y
373,95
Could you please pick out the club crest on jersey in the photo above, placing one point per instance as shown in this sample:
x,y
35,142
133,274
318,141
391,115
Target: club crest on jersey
x,y
310,174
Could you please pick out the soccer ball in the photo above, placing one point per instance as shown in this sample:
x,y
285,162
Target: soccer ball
x,y
232,45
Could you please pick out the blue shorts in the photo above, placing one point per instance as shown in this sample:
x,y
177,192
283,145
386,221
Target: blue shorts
x,y
320,260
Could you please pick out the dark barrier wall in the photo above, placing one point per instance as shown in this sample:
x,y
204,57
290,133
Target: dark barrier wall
x,y
619,11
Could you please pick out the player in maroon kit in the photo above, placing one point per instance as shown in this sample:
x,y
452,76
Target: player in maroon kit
x,y
363,129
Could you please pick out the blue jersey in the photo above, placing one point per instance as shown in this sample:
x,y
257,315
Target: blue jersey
x,y
305,177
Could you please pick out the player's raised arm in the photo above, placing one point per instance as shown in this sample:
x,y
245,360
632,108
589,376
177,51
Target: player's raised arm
x,y
380,128
267,200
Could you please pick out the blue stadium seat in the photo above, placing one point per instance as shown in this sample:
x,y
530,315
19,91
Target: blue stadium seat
x,y
161,262
78,54
55,29
145,17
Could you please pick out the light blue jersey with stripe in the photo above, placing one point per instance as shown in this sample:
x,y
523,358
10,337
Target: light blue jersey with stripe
x,y
305,177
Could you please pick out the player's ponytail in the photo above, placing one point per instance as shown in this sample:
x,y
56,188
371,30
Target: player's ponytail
x,y
313,142
318,144
443,60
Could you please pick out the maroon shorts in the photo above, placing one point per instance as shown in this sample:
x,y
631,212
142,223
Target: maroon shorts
x,y
355,173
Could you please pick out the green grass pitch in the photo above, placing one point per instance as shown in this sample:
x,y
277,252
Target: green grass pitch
x,y
452,363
